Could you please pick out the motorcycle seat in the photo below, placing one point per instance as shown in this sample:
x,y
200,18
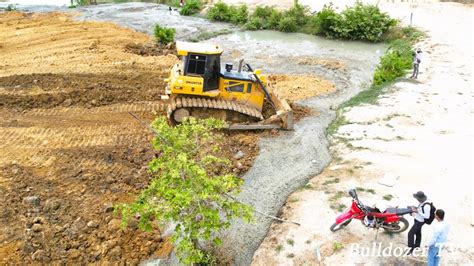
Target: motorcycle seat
x,y
399,211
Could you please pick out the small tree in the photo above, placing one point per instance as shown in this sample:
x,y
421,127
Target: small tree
x,y
190,187
164,35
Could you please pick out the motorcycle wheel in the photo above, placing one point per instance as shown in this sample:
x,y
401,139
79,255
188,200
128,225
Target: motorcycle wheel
x,y
396,227
336,227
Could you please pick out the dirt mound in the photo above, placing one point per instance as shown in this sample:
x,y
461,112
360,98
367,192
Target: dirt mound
x,y
150,49
298,87
49,60
50,90
332,64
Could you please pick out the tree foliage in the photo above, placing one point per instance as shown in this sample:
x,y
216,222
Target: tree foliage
x,y
359,22
186,188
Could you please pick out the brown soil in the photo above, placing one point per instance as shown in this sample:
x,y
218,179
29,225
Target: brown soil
x,y
298,87
68,141
69,148
327,63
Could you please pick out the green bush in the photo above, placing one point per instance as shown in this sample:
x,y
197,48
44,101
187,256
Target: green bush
x,y
219,12
254,24
264,17
365,22
298,13
360,22
393,63
164,35
227,13
324,21
274,19
191,7
239,15
263,12
288,24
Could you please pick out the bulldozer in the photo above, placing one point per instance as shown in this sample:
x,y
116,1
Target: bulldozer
x,y
198,87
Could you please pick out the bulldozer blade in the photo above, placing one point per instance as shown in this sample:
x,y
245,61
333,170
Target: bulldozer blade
x,y
283,111
253,126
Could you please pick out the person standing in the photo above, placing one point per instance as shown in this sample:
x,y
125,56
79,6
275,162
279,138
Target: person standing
x,y
440,236
420,213
416,63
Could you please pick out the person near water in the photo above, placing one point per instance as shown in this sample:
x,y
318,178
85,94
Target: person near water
x,y
416,63
420,213
439,238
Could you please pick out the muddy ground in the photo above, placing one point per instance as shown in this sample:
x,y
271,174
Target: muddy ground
x,y
69,148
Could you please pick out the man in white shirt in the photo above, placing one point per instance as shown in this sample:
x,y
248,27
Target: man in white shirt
x,y
440,236
416,63
420,213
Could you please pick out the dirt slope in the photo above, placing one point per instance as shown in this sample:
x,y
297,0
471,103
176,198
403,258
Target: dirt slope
x,y
69,149
65,160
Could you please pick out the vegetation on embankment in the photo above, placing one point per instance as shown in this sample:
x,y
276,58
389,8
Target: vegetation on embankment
x,y
359,22
395,63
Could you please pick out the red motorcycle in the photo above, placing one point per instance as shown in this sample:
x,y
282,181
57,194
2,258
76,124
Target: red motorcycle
x,y
390,220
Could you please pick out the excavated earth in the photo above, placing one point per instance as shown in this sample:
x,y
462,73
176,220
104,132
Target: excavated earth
x,y
69,149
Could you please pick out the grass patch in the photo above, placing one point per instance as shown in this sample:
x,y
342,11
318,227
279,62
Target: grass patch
x,y
341,207
336,123
368,190
331,181
290,255
279,248
290,242
292,200
336,246
388,197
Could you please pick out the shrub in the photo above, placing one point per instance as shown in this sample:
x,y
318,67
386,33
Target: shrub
x,y
264,17
164,35
365,22
393,63
325,21
239,15
360,22
298,13
263,12
191,7
274,19
254,24
288,24
219,12
227,13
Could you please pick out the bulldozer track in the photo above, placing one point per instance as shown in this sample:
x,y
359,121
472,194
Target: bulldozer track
x,y
208,103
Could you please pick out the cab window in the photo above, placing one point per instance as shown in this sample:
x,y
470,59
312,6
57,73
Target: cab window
x,y
196,64
235,86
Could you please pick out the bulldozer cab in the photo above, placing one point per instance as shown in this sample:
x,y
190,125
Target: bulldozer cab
x,y
201,60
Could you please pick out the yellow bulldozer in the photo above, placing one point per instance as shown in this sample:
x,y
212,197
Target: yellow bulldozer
x,y
198,87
